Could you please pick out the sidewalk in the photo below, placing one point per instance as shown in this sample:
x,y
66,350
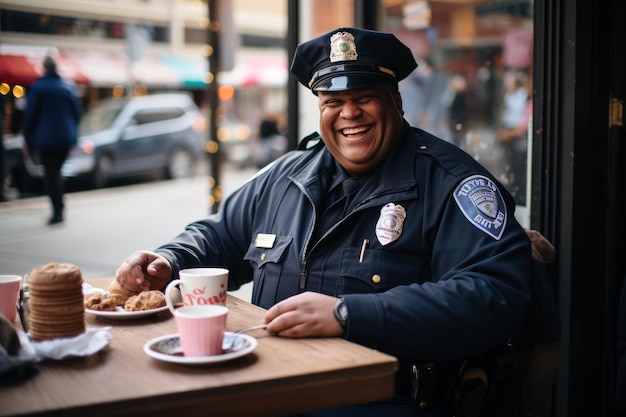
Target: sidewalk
x,y
104,226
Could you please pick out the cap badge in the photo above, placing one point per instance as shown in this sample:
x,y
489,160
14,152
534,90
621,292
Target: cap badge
x,y
390,223
342,47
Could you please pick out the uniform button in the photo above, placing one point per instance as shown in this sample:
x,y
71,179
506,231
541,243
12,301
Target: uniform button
x,y
376,278
263,256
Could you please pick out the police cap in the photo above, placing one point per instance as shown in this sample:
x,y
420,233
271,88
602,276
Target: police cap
x,y
351,58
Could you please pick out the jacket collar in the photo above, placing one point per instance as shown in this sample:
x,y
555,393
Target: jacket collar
x,y
397,172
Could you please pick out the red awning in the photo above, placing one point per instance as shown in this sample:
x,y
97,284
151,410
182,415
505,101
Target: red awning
x,y
25,69
17,69
68,68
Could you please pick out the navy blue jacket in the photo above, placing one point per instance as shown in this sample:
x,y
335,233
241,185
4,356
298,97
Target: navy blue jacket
x,y
52,113
453,283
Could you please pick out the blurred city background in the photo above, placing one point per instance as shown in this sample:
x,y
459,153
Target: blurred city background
x,y
474,77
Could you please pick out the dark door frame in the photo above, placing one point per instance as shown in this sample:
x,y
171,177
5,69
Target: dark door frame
x,y
577,187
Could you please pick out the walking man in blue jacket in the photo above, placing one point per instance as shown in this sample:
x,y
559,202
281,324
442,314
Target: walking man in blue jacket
x,y
53,111
374,231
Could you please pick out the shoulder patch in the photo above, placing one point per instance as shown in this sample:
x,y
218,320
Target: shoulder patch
x,y
482,204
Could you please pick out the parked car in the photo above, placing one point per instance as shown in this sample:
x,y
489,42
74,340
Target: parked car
x,y
20,172
130,136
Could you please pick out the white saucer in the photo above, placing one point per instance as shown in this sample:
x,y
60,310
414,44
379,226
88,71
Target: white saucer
x,y
121,314
167,348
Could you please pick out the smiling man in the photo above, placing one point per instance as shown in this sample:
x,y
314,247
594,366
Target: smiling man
x,y
359,127
375,231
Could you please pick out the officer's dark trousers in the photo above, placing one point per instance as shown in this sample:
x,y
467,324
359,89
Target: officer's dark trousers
x,y
52,160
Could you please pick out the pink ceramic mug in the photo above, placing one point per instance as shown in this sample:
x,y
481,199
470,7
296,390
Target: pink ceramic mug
x,y
9,294
201,329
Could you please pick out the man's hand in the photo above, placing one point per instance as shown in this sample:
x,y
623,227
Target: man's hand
x,y
144,271
304,315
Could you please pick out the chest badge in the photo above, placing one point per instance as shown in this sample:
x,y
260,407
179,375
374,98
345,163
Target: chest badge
x,y
482,204
390,222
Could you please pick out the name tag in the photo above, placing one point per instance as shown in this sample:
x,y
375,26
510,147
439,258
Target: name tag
x,y
264,240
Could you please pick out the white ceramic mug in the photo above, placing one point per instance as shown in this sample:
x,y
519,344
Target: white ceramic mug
x,y
9,295
201,329
199,286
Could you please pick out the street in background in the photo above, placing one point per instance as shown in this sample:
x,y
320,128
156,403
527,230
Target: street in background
x,y
104,226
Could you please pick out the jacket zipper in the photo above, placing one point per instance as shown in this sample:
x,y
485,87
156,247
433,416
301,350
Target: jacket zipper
x,y
303,261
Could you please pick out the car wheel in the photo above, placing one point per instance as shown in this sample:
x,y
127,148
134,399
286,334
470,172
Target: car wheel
x,y
102,173
179,164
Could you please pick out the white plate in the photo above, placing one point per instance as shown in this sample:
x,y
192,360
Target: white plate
x,y
167,348
121,314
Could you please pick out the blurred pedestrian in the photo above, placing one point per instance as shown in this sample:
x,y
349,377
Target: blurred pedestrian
x,y
436,102
270,143
512,133
53,110
458,109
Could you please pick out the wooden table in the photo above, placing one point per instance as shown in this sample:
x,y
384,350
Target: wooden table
x,y
280,376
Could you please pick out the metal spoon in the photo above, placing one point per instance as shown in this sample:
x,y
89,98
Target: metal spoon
x,y
230,343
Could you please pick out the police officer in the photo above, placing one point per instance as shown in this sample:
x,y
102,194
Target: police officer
x,y
374,231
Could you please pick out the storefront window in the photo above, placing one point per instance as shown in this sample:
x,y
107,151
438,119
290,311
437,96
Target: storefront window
x,y
473,86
